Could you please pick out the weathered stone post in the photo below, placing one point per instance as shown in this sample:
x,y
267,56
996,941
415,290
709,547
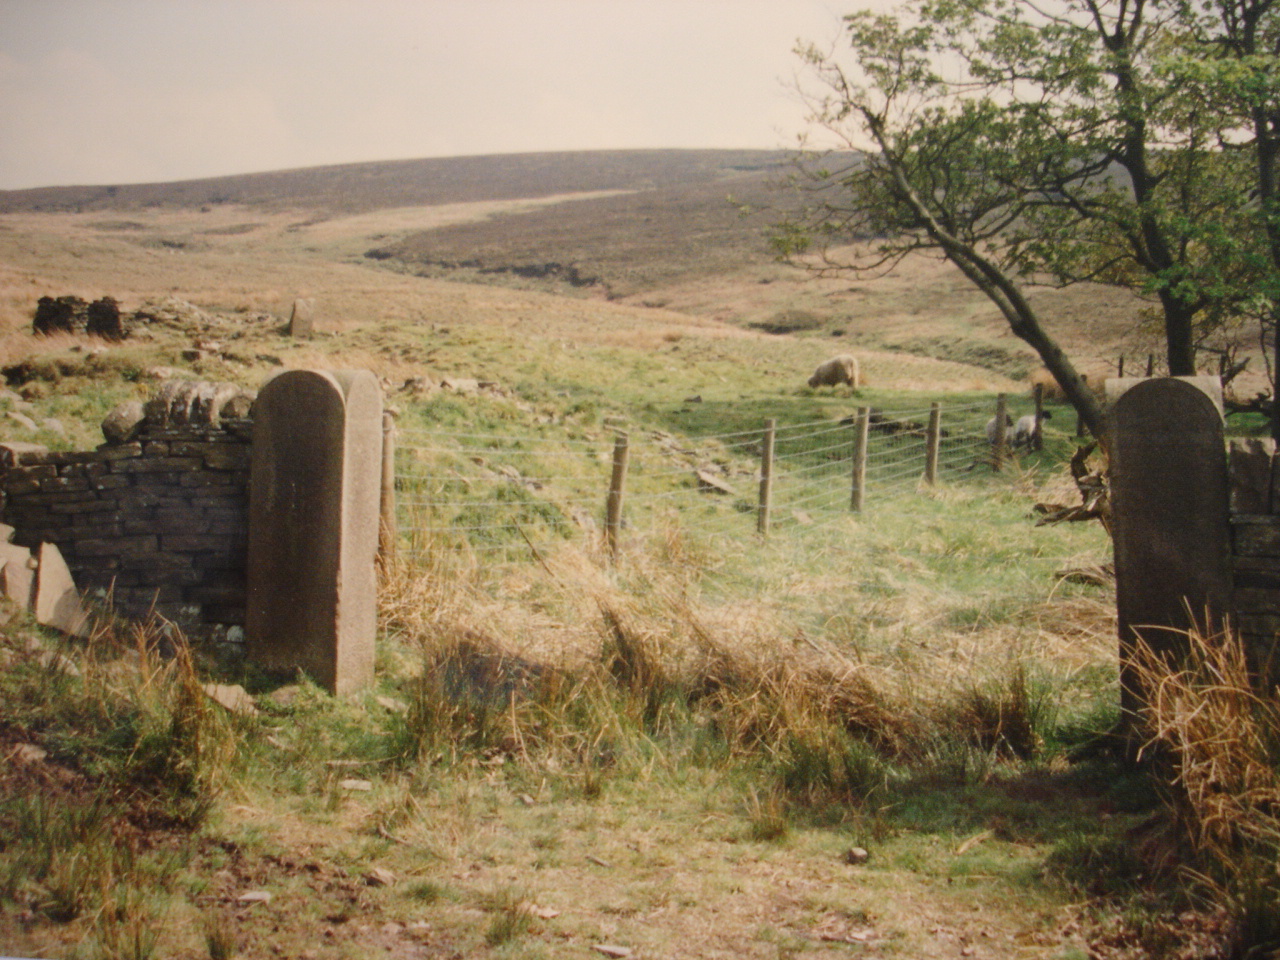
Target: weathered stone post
x,y
313,526
302,319
1171,529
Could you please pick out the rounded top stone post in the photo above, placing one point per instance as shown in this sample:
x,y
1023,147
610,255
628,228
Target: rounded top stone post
x,y
313,526
1171,532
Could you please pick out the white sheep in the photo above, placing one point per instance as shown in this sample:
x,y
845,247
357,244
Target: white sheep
x,y
992,435
837,370
1023,433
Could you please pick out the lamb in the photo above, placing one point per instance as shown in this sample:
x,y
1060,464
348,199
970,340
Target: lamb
x,y
1019,434
837,370
1024,431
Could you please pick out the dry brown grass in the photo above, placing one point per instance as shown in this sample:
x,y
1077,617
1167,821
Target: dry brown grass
x,y
640,633
1096,376
1222,736
1219,736
638,644
18,343
281,255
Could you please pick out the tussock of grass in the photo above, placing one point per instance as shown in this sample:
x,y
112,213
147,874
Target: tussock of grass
x,y
1223,737
1220,736
136,751
511,916
645,661
576,660
220,939
1005,718
767,816
134,714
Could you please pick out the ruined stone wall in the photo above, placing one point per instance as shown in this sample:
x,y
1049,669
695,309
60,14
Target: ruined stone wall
x,y
160,519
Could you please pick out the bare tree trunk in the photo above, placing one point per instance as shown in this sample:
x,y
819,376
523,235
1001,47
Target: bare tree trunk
x,y
1179,344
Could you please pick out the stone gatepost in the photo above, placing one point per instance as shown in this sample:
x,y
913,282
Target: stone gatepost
x,y
1171,530
313,526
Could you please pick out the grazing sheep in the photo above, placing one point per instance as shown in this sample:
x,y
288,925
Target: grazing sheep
x,y
837,370
1024,431
993,436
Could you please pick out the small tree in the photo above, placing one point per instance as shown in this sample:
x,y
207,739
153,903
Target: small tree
x,y
1227,58
1027,143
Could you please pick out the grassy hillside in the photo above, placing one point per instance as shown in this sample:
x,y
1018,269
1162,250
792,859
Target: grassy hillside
x,y
868,735
358,188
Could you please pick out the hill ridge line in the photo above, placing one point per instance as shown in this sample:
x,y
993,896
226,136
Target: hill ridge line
x,y
377,184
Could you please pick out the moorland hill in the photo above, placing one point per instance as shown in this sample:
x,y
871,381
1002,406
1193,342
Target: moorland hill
x,y
683,231
361,187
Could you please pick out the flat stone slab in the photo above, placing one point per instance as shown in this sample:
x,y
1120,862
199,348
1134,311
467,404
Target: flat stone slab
x,y
57,602
461,384
231,697
17,452
709,482
17,578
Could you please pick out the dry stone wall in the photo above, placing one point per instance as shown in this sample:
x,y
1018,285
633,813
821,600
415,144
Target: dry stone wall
x,y
1255,538
159,519
194,511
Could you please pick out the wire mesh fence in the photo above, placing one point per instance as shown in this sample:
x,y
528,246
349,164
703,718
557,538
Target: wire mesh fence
x,y
505,494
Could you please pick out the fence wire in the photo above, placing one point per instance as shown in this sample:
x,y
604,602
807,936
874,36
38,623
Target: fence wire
x,y
492,494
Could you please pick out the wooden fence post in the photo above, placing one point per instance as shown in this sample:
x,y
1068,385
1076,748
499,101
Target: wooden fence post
x,y
387,505
613,506
932,442
766,478
1000,446
862,428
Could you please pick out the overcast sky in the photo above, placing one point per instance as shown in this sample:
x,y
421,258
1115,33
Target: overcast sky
x,y
133,91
